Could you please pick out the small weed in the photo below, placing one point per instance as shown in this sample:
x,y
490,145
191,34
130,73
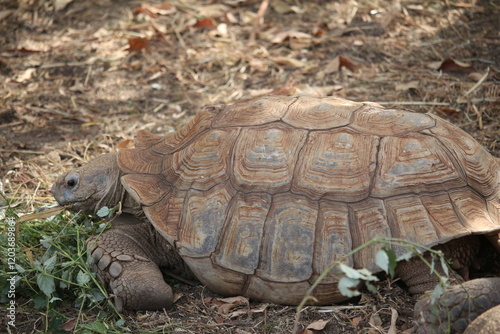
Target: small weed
x,y
48,270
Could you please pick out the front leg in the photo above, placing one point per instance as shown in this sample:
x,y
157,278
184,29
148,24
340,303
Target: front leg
x,y
126,261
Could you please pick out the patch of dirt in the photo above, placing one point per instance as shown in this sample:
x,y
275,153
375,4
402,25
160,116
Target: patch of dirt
x,y
77,80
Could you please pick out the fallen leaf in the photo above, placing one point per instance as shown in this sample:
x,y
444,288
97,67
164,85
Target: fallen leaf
x,y
40,215
25,76
288,62
452,65
318,325
403,86
69,325
281,7
475,76
448,111
225,308
289,34
61,4
156,9
337,63
238,300
394,318
237,313
137,44
206,23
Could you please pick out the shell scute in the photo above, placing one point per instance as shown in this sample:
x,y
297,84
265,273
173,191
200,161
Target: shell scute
x,y
202,164
368,220
265,157
165,215
413,164
336,165
408,220
389,122
202,220
472,210
145,188
254,112
318,114
240,244
332,241
442,214
482,170
175,140
289,232
138,160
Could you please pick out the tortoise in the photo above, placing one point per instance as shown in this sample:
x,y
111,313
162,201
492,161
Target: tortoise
x,y
259,197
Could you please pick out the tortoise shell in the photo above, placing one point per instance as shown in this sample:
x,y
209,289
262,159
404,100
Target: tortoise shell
x,y
261,196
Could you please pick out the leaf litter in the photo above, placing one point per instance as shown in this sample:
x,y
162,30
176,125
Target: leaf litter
x,y
79,78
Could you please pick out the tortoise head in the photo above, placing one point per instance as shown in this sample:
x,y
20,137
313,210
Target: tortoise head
x,y
92,186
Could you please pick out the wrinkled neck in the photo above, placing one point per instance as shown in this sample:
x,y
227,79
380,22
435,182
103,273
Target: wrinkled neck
x,y
116,194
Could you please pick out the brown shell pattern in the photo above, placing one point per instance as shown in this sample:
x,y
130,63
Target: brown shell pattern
x,y
261,196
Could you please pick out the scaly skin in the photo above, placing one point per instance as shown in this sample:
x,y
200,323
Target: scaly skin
x,y
127,259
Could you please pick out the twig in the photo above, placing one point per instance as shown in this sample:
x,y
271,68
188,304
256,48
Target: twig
x,y
473,88
258,20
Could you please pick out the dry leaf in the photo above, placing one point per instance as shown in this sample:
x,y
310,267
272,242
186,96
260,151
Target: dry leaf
x,y
394,318
206,23
318,325
281,7
289,34
25,76
40,215
155,10
288,62
375,321
225,308
69,325
238,300
337,63
452,65
61,4
347,63
137,44
406,85
475,76
237,313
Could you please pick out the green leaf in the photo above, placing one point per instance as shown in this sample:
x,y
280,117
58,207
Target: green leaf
x,y
436,293
120,322
82,278
97,327
405,257
46,241
50,263
349,287
370,287
46,284
363,273
103,212
386,259
444,265
40,301
20,269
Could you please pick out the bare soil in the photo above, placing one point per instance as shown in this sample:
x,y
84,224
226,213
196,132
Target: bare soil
x,y
76,80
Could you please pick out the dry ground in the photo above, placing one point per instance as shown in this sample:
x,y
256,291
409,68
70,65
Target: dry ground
x,y
77,79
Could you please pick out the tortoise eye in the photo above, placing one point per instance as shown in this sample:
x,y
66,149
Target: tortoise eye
x,y
71,181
